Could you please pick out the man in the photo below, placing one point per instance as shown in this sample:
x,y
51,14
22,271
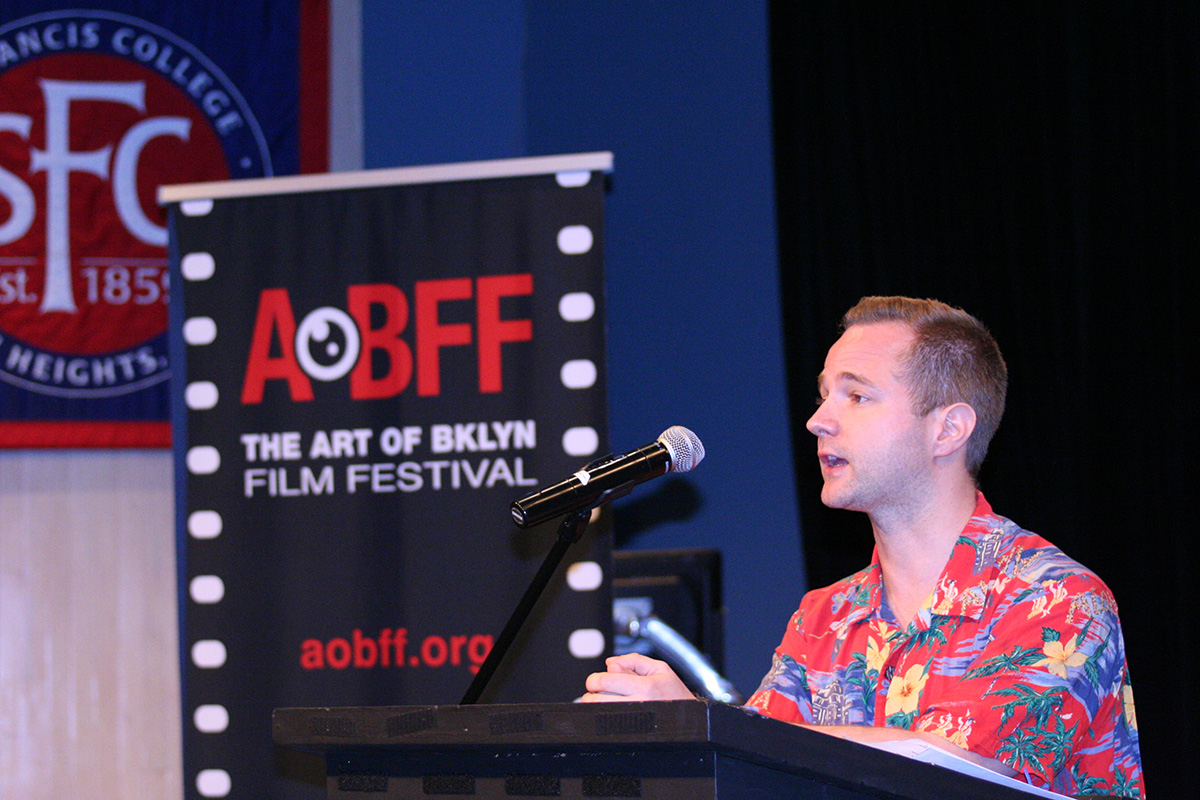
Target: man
x,y
965,631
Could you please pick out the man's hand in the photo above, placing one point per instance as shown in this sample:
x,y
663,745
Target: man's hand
x,y
634,677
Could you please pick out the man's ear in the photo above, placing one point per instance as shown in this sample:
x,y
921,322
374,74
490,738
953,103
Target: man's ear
x,y
956,423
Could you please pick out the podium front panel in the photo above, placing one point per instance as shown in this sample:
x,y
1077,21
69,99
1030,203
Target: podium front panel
x,y
670,750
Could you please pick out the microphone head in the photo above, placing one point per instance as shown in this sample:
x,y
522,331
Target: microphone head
x,y
683,447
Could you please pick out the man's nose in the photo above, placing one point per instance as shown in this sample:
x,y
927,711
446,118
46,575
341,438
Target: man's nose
x,y
821,423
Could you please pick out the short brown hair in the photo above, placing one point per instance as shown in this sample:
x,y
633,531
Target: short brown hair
x,y
953,359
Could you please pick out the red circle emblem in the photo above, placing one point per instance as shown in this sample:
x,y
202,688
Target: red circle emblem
x,y
97,110
94,137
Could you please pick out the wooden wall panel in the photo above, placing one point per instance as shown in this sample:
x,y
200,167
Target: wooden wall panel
x,y
89,674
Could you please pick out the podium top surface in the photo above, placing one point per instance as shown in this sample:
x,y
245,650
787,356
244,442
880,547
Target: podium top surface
x,y
407,731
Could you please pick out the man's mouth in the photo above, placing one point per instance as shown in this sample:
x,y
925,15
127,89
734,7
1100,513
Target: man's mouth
x,y
829,460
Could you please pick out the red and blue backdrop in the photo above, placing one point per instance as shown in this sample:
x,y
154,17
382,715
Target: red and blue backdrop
x,y
99,106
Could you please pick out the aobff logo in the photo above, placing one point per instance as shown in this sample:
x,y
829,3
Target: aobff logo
x,y
370,340
96,111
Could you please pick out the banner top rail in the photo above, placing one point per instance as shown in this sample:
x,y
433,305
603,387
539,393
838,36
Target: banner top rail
x,y
433,173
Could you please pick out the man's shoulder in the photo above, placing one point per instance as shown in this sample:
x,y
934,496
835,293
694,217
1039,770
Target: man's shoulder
x,y
859,590
864,577
1028,562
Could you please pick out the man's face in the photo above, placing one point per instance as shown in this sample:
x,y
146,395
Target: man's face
x,y
874,451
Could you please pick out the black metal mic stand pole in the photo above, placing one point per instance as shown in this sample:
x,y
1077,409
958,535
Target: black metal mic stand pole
x,y
569,531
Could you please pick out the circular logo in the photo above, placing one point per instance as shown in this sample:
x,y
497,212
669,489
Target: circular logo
x,y
326,355
97,110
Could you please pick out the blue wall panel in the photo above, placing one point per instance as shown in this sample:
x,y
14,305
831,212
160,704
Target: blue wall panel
x,y
442,82
680,94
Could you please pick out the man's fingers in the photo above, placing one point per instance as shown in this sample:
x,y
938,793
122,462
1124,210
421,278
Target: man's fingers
x,y
600,697
634,677
618,683
634,664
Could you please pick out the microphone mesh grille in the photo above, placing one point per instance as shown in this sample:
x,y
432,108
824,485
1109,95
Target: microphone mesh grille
x,y
683,446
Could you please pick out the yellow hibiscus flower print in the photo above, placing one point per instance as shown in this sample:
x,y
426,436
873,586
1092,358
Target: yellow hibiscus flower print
x,y
1059,656
877,655
904,692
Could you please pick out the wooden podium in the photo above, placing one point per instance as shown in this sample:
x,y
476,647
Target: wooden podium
x,y
670,750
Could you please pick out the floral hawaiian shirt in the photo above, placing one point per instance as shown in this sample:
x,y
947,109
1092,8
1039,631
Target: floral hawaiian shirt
x,y
1017,655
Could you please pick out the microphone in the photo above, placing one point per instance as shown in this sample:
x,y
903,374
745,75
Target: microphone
x,y
676,450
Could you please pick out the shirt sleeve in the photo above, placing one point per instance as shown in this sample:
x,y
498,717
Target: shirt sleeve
x,y
1048,679
783,693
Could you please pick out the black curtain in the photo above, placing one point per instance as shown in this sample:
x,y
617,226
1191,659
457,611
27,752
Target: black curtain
x,y
1037,165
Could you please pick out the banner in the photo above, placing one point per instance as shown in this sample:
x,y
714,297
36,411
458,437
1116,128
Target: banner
x,y
373,367
100,106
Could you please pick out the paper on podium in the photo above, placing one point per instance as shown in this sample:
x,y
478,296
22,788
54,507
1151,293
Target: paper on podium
x,y
923,751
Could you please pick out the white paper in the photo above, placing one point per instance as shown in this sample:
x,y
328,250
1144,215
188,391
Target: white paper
x,y
923,751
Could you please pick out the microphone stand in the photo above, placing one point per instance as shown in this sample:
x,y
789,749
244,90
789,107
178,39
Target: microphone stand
x,y
569,532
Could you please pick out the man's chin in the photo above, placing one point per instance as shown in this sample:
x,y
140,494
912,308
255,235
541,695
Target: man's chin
x,y
842,500
834,499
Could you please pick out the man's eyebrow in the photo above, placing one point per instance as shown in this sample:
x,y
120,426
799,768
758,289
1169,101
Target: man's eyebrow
x,y
854,377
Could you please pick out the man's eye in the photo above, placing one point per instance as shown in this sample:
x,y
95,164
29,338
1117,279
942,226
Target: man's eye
x,y
856,398
820,399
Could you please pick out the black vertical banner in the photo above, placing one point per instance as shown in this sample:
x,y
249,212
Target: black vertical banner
x,y
372,367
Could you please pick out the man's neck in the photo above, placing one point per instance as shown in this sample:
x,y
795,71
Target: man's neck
x,y
914,545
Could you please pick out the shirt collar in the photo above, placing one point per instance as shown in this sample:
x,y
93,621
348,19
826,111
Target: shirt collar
x,y
963,586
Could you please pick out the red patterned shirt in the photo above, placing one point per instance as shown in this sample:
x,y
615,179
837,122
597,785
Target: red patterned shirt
x,y
1017,655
